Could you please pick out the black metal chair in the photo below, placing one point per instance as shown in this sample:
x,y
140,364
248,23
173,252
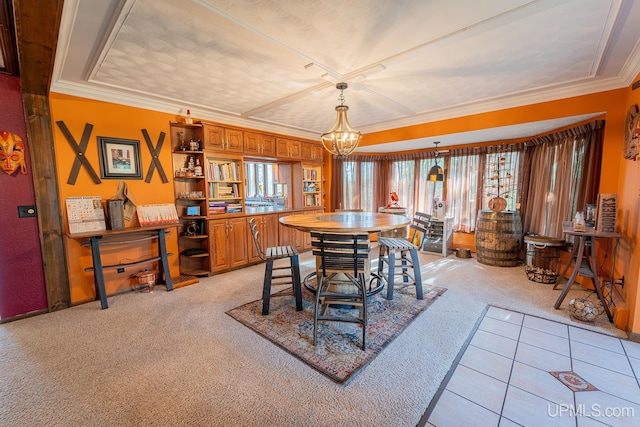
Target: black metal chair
x,y
401,256
344,260
270,255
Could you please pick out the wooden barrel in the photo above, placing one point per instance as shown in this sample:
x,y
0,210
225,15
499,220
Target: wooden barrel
x,y
498,238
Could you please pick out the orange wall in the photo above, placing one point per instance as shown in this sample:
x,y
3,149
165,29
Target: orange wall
x,y
119,122
628,256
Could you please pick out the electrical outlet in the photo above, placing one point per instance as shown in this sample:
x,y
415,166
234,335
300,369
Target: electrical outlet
x,y
619,282
120,270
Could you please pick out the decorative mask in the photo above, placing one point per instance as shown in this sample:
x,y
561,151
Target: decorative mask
x,y
12,153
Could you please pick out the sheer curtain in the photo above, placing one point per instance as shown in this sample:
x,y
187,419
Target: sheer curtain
x,y
402,183
426,191
571,164
462,182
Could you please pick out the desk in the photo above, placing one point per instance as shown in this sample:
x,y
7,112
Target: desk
x,y
584,260
95,239
344,222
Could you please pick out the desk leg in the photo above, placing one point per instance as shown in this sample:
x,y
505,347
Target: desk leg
x,y
574,273
164,263
595,279
98,274
566,268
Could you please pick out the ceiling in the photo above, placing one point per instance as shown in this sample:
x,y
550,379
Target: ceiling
x,y
272,65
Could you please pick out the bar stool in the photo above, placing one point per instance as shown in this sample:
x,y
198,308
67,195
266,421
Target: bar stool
x,y
341,279
271,255
400,256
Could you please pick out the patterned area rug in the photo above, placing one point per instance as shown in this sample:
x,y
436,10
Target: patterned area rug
x,y
338,354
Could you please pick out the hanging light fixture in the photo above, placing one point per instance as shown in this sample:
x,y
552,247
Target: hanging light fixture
x,y
342,139
436,173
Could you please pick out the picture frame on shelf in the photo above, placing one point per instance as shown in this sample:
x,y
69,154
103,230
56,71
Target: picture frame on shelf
x,y
119,158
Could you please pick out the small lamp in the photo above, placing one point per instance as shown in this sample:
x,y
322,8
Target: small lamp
x,y
436,174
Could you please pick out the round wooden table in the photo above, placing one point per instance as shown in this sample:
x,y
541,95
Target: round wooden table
x,y
344,222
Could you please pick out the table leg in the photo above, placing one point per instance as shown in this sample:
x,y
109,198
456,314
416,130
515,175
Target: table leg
x,y
574,273
98,274
164,263
596,280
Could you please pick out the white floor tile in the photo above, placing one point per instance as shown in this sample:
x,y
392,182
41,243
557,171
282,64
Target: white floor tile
x,y
610,382
599,357
541,383
500,327
547,326
495,343
635,365
542,359
453,411
530,410
595,339
479,388
544,340
505,315
504,422
608,409
486,362
631,348
489,370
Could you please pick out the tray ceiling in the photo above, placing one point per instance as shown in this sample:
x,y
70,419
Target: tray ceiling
x,y
273,65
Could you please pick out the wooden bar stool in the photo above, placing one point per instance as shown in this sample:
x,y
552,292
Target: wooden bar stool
x,y
400,256
271,255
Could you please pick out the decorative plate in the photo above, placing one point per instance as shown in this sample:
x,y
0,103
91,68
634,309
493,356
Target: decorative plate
x,y
497,204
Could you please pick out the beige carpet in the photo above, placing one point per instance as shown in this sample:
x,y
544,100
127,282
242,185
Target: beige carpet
x,y
176,358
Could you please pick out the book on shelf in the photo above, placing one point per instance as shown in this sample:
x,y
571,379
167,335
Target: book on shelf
x,y
222,171
309,175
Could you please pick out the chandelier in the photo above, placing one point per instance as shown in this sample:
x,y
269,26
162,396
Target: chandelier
x,y
342,139
436,173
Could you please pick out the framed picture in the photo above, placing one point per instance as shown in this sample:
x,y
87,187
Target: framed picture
x,y
119,158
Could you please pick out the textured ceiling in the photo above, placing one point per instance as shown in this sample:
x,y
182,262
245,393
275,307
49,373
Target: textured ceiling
x,y
273,64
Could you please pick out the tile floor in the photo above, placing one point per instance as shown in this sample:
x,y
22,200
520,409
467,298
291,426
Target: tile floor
x,y
521,370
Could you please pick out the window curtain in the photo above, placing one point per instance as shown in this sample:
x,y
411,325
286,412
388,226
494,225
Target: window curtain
x,y
571,163
462,181
337,183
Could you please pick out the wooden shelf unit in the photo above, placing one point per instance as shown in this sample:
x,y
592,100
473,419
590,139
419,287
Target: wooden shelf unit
x,y
190,191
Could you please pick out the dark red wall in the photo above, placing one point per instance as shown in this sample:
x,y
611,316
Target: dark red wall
x,y
22,288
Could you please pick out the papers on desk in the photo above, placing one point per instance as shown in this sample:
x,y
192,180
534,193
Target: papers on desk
x,y
85,213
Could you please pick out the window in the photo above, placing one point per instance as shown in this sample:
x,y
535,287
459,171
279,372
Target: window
x,y
260,179
402,183
463,183
358,186
501,178
428,191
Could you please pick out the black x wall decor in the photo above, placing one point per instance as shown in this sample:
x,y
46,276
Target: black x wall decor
x,y
155,161
80,150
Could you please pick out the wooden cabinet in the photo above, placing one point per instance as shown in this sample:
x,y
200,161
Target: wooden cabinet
x,y
228,248
312,152
288,148
190,196
222,139
268,234
288,236
311,186
307,236
258,144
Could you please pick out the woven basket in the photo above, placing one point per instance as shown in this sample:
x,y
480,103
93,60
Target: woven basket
x,y
541,275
